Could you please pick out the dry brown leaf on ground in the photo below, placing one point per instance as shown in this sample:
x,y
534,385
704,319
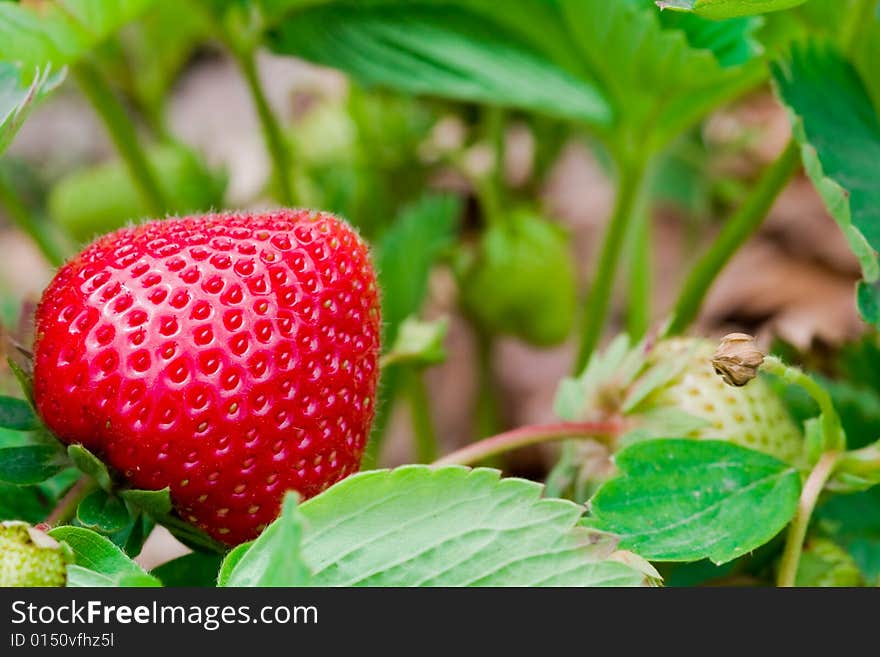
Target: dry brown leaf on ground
x,y
795,299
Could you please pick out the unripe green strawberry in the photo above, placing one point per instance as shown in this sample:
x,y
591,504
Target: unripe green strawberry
x,y
522,280
824,563
29,557
103,198
671,390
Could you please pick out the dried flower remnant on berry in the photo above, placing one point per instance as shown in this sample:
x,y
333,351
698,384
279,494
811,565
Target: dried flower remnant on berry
x,y
737,359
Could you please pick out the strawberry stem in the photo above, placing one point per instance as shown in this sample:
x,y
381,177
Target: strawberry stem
x,y
605,431
797,531
123,133
833,437
641,264
39,230
275,143
420,415
65,509
630,187
736,231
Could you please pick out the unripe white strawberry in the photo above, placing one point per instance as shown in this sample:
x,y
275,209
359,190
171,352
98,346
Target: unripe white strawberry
x,y
752,416
670,389
29,557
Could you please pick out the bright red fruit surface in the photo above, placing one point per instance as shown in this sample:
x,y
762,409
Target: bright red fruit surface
x,y
230,358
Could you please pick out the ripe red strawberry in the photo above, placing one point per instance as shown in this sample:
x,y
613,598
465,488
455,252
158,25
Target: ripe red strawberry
x,y
228,357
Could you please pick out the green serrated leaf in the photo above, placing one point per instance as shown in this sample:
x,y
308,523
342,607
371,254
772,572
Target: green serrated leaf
x,y
91,465
77,576
274,559
30,464
657,81
686,500
60,33
838,130
103,513
721,9
105,564
452,526
449,51
17,414
230,562
194,569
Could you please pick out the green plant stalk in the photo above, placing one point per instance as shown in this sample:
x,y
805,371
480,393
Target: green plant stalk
x,y
486,414
640,276
736,231
65,509
39,231
279,149
495,124
420,415
530,435
797,530
123,133
833,436
631,184
853,32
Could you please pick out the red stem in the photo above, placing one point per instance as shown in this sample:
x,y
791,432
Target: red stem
x,y
605,431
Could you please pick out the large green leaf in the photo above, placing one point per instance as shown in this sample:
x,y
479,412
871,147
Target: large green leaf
x,y
685,500
452,526
719,9
98,562
839,132
448,51
17,98
658,82
542,56
275,558
62,31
